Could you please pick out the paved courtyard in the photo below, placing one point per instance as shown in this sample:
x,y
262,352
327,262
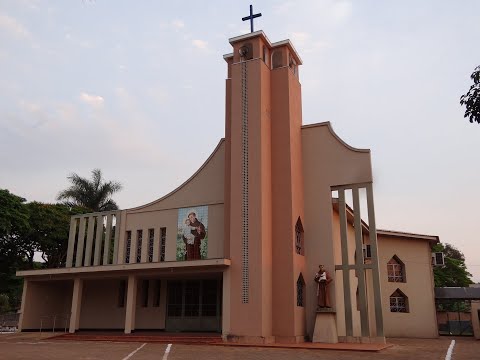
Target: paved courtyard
x,y
31,346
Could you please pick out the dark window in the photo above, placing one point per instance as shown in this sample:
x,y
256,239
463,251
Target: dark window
x,y
139,245
128,247
209,297
163,239
122,293
151,234
299,246
300,291
395,270
145,284
175,294
192,298
156,294
398,302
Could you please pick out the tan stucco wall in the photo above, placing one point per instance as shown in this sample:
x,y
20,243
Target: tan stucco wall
x,y
419,288
46,298
151,317
259,322
327,161
205,187
100,308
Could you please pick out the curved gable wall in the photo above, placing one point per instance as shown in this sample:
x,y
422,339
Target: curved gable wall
x,y
203,188
327,161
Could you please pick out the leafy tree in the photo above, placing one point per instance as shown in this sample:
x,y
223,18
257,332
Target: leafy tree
x,y
471,99
13,223
454,273
93,194
49,230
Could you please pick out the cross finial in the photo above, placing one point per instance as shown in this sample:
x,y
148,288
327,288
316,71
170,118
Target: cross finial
x,y
251,17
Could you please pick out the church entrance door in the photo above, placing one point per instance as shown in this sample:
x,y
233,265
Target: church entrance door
x,y
194,305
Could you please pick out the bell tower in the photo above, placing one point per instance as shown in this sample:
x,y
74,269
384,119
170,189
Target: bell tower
x,y
263,190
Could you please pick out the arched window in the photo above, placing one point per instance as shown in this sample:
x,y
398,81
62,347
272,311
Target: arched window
x,y
300,291
396,270
398,302
299,246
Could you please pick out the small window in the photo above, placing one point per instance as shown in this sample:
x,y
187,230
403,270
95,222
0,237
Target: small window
x,y
139,245
122,293
398,302
128,247
395,270
145,284
163,239
151,234
299,245
300,291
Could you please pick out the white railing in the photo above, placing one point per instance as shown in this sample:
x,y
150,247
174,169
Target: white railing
x,y
51,322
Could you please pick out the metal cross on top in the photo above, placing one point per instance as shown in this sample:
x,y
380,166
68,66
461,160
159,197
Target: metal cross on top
x,y
251,17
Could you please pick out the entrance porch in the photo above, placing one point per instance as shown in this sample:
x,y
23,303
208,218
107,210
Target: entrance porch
x,y
166,300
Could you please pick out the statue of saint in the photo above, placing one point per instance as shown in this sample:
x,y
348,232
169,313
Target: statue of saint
x,y
323,279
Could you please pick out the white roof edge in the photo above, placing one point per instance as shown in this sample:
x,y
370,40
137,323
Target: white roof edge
x,y
272,45
248,36
228,56
290,45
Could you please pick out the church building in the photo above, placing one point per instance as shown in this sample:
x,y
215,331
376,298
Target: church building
x,y
236,248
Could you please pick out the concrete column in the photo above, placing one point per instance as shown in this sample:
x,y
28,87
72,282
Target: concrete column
x,y
342,209
22,307
156,245
89,244
362,295
116,238
76,305
131,304
108,235
145,241
81,242
98,241
475,313
71,241
375,266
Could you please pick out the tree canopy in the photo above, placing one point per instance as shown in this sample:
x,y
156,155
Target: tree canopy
x,y
454,273
471,99
95,194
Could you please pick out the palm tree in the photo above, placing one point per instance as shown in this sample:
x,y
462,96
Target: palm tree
x,y
93,194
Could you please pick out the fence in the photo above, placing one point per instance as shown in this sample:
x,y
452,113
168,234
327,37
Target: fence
x,y
9,322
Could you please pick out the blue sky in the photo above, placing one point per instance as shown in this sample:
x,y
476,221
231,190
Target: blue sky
x,y
120,85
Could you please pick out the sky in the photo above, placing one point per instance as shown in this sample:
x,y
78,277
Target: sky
x,y
137,89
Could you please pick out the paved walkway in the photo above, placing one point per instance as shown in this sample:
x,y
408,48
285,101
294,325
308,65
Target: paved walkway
x,y
31,346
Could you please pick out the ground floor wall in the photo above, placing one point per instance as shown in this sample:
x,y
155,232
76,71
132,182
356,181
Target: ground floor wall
x,y
46,304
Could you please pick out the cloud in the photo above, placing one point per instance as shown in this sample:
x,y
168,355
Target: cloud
x,y
178,24
341,10
304,42
92,100
12,26
200,44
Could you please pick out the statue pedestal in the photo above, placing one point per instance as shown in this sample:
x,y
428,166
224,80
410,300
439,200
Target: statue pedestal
x,y
325,326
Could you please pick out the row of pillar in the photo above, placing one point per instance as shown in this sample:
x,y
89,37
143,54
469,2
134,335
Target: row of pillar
x,y
90,242
359,267
130,306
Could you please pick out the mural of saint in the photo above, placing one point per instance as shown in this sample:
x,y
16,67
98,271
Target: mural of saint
x,y
192,233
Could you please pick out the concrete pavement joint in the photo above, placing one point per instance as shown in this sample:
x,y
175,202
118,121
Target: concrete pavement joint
x,y
134,352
